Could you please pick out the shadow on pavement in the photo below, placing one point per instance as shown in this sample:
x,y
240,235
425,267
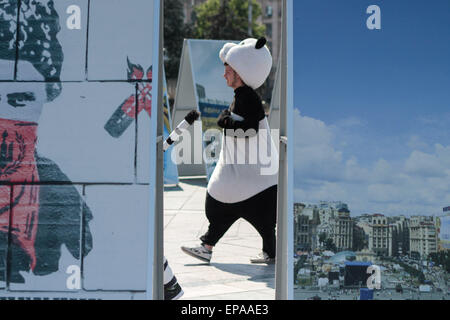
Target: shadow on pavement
x,y
200,264
173,188
256,273
199,182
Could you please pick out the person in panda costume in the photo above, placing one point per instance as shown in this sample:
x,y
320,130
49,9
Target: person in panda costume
x,y
243,189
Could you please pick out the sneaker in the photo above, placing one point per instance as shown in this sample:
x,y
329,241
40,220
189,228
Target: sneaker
x,y
198,252
263,258
172,290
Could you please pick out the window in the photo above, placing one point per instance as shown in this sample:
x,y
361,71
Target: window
x,y
268,30
269,11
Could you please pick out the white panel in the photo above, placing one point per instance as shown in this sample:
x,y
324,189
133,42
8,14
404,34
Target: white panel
x,y
71,37
7,69
72,133
110,44
119,236
57,241
8,38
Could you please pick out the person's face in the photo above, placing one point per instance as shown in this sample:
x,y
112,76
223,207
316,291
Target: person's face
x,y
233,79
22,101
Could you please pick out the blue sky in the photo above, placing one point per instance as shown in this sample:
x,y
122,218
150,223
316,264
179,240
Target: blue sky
x,y
208,69
373,106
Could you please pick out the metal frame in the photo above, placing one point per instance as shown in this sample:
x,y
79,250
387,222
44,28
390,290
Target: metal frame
x,y
155,252
284,267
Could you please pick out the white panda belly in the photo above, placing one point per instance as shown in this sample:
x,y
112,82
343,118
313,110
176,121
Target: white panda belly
x,y
244,168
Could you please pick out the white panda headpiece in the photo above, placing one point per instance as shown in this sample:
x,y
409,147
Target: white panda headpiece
x,y
251,59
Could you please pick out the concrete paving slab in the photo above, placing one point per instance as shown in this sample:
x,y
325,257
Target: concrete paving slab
x,y
230,275
246,295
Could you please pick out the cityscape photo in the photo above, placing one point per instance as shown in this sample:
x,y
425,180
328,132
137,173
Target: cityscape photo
x,y
371,150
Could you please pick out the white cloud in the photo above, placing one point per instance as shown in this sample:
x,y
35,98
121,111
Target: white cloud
x,y
315,157
350,122
416,143
354,172
382,172
424,164
417,184
443,154
383,193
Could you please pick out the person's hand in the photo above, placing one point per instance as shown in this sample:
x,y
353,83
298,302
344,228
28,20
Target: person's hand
x,y
223,119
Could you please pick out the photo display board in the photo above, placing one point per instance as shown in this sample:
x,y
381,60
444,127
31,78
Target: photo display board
x,y
201,86
370,88
170,168
274,112
75,148
444,230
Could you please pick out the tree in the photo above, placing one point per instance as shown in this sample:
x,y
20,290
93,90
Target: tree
x,y
227,20
441,258
300,263
329,245
175,31
322,237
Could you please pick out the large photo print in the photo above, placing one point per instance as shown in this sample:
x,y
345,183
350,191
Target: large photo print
x,y
213,95
75,114
372,149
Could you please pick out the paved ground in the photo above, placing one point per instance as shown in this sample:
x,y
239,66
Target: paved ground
x,y
230,275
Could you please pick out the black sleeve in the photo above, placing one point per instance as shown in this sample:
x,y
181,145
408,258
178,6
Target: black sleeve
x,y
248,107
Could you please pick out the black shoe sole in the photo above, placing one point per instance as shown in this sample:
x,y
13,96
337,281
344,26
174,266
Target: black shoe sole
x,y
272,261
266,262
172,290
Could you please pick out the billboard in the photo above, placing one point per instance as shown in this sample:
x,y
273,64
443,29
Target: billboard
x,y
170,168
444,229
76,123
444,232
371,111
201,86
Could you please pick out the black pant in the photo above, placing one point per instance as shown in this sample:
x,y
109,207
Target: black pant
x,y
260,211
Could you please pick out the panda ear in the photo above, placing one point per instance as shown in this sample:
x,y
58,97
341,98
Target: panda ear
x,y
261,42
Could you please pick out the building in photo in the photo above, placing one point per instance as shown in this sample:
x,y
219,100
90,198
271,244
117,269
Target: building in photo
x,y
380,237
423,236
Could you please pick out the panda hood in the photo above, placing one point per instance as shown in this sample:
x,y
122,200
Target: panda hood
x,y
251,59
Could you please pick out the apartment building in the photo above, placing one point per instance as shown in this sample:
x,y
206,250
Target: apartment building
x,y
341,226
400,235
423,236
375,233
331,218
271,18
306,220
380,235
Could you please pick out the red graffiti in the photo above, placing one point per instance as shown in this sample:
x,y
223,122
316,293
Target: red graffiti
x,y
144,89
129,106
19,204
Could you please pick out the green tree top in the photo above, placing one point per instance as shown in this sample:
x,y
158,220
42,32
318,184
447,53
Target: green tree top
x,y
174,33
329,245
227,20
